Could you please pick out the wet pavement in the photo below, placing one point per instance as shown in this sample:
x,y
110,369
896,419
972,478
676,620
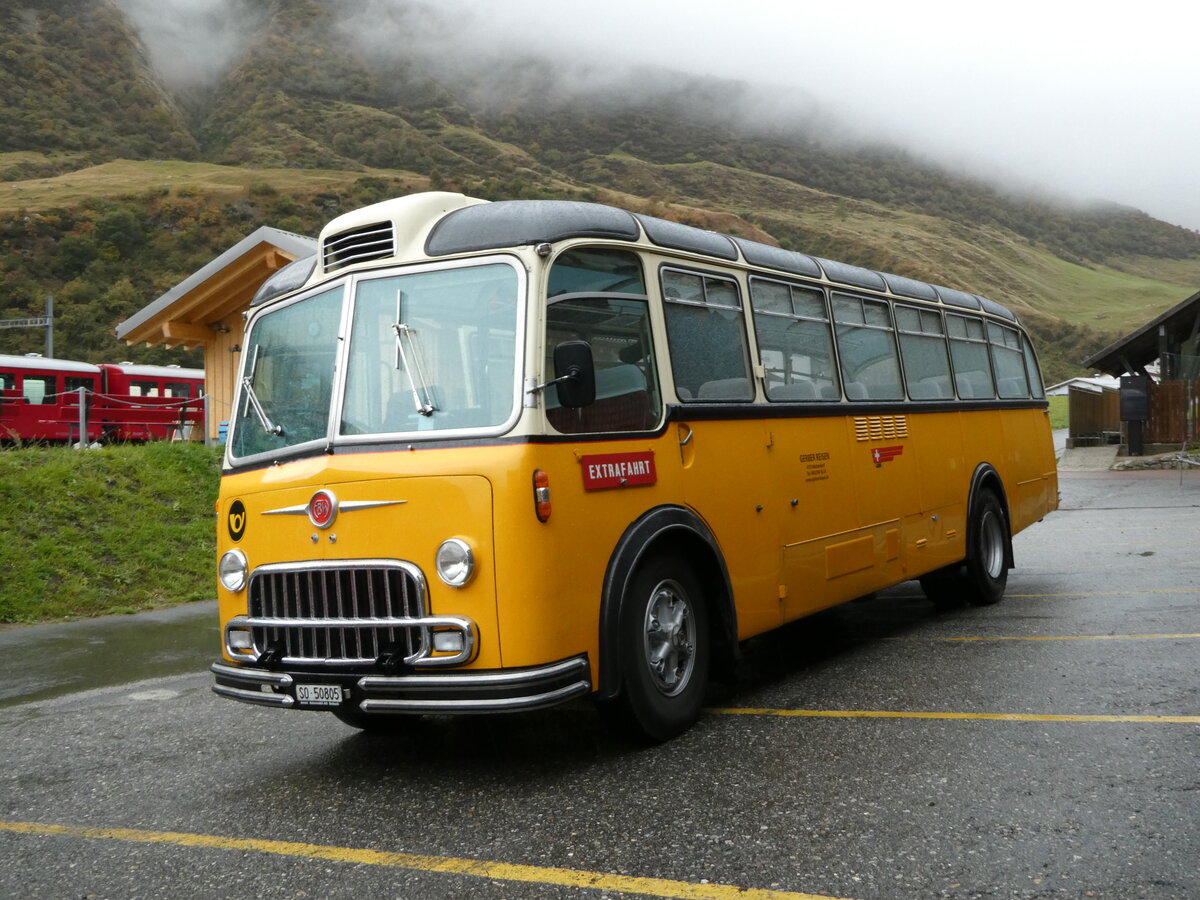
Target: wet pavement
x,y
39,662
1042,748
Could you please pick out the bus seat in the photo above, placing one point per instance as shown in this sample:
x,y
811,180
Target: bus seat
x,y
1013,388
973,385
923,390
726,389
830,392
856,390
622,404
797,390
613,382
936,387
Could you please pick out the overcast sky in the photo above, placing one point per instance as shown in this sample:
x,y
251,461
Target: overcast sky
x,y
1091,100
1094,100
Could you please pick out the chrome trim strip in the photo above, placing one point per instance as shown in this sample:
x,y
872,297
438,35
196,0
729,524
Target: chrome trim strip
x,y
343,506
316,564
461,693
259,676
283,701
480,705
476,679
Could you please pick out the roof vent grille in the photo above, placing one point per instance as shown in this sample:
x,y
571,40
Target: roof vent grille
x,y
377,241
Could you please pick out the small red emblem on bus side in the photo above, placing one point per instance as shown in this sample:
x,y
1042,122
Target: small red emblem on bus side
x,y
880,455
322,509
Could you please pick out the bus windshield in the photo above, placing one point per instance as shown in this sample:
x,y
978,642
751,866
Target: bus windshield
x,y
431,351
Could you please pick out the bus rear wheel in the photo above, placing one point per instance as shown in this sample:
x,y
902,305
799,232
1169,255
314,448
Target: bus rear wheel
x,y
664,651
981,580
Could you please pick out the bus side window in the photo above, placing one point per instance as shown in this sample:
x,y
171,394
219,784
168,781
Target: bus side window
x,y
867,347
969,354
794,343
707,337
1012,381
1037,389
923,349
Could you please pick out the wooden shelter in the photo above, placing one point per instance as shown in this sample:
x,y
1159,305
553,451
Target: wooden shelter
x,y
1172,401
205,310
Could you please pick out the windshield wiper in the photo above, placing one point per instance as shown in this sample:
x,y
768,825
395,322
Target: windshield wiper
x,y
412,368
252,399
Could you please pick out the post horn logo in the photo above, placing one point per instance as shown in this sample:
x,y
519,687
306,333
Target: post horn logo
x,y
236,520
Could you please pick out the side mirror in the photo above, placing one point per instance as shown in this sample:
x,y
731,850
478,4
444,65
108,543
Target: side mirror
x,y
575,374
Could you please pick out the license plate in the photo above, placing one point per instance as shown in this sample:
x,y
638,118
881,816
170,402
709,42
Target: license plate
x,y
318,695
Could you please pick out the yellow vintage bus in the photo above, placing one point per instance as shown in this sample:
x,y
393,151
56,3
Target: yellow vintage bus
x,y
490,457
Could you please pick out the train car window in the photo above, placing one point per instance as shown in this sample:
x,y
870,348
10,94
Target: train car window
x,y
74,384
39,388
7,382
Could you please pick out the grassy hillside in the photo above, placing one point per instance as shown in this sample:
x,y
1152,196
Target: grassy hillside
x,y
106,239
120,529
313,118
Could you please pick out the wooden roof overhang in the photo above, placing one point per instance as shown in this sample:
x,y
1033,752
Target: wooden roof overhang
x,y
1166,333
197,309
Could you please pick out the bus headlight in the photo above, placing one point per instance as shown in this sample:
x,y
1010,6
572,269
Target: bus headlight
x,y
232,570
455,562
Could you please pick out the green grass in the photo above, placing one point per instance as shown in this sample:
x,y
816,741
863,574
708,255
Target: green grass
x,y
1059,417
114,530
122,177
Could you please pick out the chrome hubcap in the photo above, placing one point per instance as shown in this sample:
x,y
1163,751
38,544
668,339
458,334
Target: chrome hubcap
x,y
669,638
991,545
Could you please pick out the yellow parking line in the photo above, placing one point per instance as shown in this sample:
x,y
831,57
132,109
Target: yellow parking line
x,y
1105,593
1064,637
997,717
474,868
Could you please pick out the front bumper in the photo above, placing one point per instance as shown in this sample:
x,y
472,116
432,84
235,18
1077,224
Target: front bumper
x,y
490,691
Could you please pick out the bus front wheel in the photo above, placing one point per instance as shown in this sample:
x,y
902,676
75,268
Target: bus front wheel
x,y
664,651
373,723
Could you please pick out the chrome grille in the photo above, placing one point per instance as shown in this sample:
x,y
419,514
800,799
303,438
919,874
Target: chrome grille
x,y
337,614
358,245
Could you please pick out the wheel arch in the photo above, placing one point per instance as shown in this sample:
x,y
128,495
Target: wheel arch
x,y
986,478
677,531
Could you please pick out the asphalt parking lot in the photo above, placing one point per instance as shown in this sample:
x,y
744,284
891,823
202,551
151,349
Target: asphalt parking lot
x,y
1044,747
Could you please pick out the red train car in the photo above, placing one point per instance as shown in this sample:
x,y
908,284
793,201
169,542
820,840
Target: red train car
x,y
145,403
39,400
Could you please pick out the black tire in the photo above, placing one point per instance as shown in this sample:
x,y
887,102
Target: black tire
x,y
987,570
664,652
982,578
373,723
944,590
